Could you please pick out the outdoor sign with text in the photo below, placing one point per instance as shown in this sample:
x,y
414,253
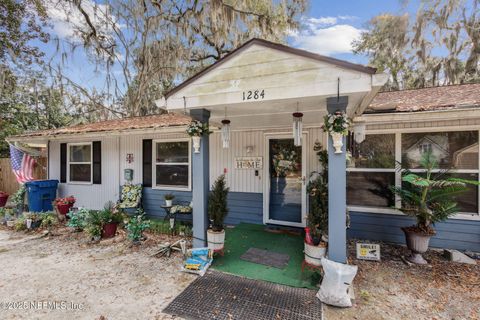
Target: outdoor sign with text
x,y
368,251
249,163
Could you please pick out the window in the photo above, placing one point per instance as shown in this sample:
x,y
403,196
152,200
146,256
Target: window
x,y
80,162
371,165
172,164
371,171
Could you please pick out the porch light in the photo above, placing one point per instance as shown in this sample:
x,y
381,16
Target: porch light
x,y
225,133
297,128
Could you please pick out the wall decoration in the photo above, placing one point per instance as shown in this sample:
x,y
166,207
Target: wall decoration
x,y
249,163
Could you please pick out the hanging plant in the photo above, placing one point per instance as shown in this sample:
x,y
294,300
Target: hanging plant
x,y
197,129
337,122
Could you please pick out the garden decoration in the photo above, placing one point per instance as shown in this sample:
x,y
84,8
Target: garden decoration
x,y
217,211
64,205
429,198
337,125
167,248
196,130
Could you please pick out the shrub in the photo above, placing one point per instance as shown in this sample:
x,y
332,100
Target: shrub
x,y
217,203
78,220
136,225
20,224
49,219
19,196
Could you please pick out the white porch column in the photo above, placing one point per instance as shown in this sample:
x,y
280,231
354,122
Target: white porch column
x,y
337,191
200,184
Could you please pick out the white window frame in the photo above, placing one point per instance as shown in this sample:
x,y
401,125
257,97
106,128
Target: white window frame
x,y
398,181
155,163
69,162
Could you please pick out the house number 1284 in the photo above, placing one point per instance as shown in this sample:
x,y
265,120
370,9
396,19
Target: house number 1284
x,y
253,94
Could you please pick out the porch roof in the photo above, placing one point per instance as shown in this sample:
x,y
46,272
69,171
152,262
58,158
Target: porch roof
x,y
156,121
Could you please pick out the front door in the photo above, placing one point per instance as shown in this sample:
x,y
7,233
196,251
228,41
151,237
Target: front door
x,y
285,183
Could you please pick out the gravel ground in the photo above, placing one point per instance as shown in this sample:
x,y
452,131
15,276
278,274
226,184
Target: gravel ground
x,y
108,280
393,290
113,280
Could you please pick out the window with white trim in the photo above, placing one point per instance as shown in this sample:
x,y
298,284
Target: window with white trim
x,y
371,165
171,164
79,162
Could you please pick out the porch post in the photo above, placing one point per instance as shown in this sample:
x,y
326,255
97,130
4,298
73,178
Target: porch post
x,y
200,183
337,191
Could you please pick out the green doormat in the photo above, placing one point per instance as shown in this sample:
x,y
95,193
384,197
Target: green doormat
x,y
245,236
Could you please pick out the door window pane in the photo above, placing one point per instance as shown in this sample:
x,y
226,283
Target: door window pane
x,y
455,150
80,153
172,152
376,151
172,175
80,172
370,189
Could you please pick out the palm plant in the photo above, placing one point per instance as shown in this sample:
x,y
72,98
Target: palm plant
x,y
430,198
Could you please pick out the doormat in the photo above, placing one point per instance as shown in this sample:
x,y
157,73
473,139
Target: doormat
x,y
218,295
267,258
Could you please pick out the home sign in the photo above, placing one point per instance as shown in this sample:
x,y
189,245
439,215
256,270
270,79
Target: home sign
x,y
368,251
249,163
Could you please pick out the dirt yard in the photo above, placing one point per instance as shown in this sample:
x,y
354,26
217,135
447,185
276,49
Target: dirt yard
x,y
393,290
112,280
109,280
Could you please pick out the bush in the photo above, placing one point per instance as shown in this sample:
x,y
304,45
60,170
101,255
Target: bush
x,y
136,225
20,224
78,220
49,219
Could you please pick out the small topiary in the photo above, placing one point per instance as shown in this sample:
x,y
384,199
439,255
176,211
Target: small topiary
x,y
217,203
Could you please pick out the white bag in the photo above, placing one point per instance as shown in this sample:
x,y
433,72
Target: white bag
x,y
336,282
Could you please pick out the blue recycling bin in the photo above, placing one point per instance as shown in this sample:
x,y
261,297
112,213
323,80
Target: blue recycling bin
x,y
41,194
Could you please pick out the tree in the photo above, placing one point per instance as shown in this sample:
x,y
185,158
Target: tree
x,y
146,46
441,46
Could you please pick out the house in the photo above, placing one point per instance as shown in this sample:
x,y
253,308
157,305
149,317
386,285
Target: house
x,y
258,87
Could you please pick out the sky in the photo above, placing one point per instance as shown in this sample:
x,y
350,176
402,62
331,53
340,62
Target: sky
x,y
328,28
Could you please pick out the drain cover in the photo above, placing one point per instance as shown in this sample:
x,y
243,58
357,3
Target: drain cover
x,y
217,295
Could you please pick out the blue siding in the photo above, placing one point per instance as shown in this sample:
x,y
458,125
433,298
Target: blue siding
x,y
453,233
153,199
243,206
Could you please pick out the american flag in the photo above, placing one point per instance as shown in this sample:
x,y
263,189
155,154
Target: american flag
x,y
22,164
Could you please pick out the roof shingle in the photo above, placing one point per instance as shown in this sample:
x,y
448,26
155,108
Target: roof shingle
x,y
146,122
427,99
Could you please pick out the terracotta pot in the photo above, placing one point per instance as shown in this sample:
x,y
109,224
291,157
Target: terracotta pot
x,y
215,239
64,208
3,199
314,254
417,242
109,230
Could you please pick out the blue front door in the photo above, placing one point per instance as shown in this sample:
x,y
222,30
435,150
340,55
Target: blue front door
x,y
286,182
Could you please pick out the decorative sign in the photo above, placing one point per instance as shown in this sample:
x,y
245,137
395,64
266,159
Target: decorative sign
x,y
253,95
368,251
249,163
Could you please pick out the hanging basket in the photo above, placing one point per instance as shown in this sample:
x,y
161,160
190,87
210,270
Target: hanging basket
x,y
337,139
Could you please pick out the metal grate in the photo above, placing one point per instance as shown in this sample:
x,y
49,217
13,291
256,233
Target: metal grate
x,y
217,295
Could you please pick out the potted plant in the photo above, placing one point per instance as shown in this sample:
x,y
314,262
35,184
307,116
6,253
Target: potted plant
x,y
168,199
337,125
316,232
195,130
3,198
33,219
217,211
429,198
64,205
110,218
136,225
